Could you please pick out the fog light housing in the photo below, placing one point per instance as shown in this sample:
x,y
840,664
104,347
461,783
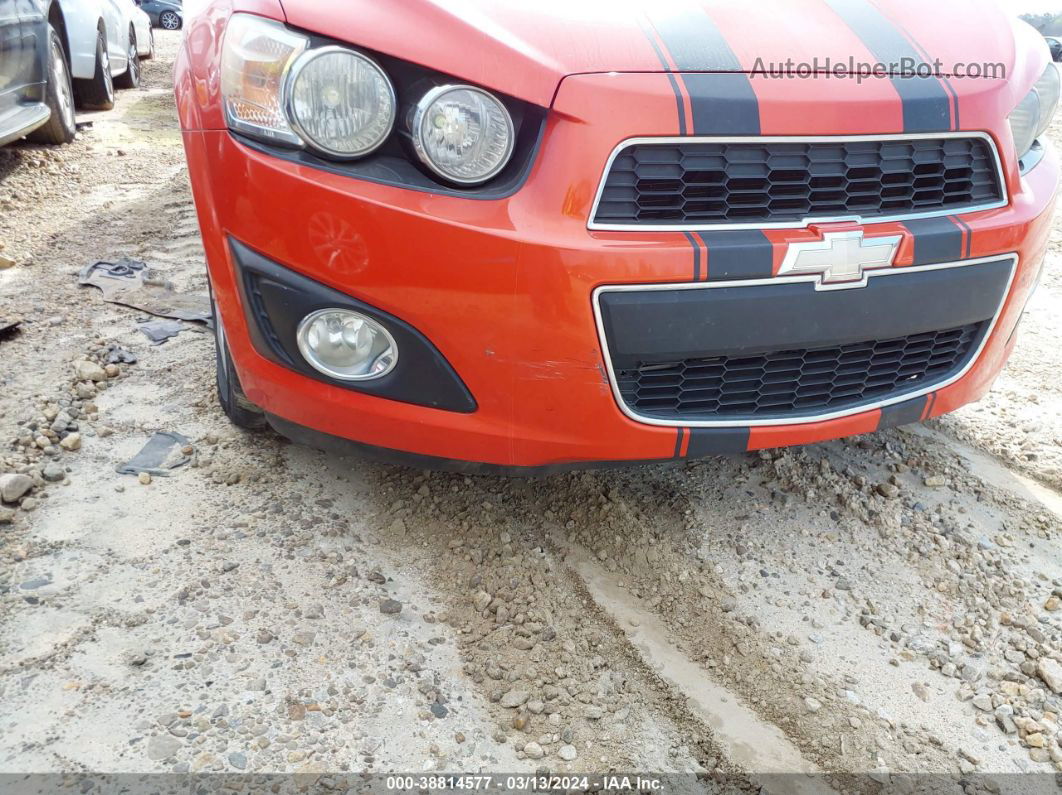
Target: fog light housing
x,y
346,345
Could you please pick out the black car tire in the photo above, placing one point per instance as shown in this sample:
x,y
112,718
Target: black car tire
x,y
131,77
170,20
241,412
151,48
59,97
98,92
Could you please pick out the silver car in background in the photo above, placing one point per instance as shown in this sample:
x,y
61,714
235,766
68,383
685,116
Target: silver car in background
x,y
106,40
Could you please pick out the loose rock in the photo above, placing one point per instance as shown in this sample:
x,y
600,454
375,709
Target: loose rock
x,y
567,752
1051,672
90,371
514,698
13,487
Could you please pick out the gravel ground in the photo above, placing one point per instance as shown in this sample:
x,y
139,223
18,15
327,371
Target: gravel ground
x,y
877,609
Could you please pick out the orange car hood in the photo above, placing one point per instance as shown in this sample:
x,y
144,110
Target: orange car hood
x,y
526,47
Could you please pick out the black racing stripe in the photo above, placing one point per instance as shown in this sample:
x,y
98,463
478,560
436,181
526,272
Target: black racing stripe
x,y
906,413
696,256
741,254
718,441
646,29
968,248
678,442
678,103
935,240
926,102
723,102
692,39
956,123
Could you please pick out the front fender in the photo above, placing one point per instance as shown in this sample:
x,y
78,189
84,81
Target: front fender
x,y
197,77
142,27
82,19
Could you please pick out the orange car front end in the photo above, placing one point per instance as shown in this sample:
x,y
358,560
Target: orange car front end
x,y
679,258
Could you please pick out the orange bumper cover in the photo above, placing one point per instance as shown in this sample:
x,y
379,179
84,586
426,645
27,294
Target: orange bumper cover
x,y
503,287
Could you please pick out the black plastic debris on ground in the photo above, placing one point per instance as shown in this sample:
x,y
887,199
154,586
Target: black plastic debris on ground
x,y
119,355
132,283
8,327
160,330
160,456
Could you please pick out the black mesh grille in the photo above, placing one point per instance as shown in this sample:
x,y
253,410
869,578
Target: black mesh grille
x,y
720,183
795,382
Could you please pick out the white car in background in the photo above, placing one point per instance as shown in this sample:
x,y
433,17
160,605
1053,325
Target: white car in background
x,y
106,39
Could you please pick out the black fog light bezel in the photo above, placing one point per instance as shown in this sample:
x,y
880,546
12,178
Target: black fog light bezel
x,y
277,299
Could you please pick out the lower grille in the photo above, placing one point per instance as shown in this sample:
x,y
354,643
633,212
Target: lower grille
x,y
794,382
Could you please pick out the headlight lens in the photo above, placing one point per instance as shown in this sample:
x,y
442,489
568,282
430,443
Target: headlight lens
x,y
1023,123
1035,112
1047,88
256,57
347,345
462,133
341,102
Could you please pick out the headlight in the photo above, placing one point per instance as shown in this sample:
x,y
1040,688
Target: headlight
x,y
462,133
338,102
1047,87
341,102
1034,113
346,345
255,60
335,100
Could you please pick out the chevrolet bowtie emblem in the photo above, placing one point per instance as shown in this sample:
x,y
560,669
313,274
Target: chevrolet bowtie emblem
x,y
841,259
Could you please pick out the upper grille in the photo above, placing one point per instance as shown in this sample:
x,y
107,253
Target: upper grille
x,y
707,183
794,382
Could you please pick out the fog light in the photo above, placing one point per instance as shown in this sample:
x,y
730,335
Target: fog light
x,y
347,345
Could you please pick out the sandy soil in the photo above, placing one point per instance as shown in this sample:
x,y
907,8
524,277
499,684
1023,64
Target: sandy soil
x,y
271,608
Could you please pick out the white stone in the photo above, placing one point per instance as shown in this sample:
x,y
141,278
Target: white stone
x,y
90,371
567,753
1051,672
13,487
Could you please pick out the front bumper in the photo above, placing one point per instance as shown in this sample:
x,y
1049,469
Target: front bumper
x,y
503,290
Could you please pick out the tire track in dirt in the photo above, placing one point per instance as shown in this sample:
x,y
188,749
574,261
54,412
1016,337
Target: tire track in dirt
x,y
456,508
609,515
747,740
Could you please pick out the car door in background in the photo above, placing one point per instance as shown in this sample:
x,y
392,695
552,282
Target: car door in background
x,y
16,57
117,35
33,22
